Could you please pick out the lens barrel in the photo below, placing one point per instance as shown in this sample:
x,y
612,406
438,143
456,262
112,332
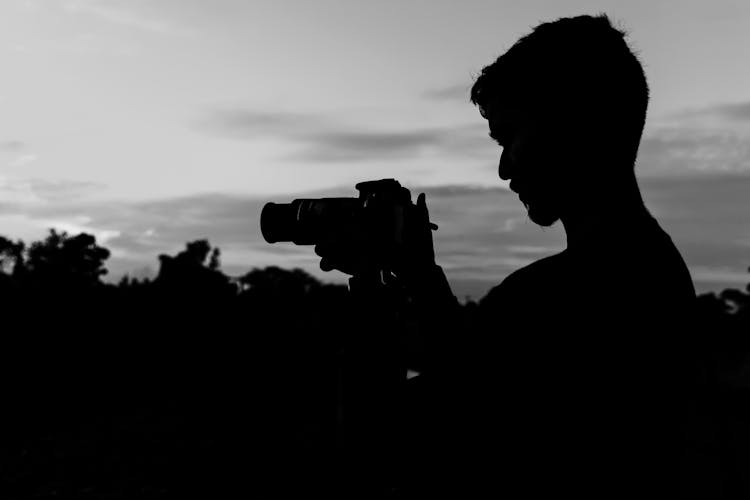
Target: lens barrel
x,y
278,222
305,220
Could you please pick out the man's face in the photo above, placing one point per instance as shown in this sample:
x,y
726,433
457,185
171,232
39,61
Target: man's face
x,y
528,160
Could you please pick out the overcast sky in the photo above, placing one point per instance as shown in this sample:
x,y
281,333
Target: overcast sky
x,y
153,122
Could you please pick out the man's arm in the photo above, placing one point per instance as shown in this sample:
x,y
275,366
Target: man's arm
x,y
420,286
439,319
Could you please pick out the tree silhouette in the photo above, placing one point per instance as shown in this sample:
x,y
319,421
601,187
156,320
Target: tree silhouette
x,y
222,366
11,256
61,261
214,262
277,282
737,300
194,273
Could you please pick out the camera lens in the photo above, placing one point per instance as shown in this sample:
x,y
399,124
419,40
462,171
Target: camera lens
x,y
278,222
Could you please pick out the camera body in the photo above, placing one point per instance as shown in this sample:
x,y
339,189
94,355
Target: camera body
x,y
380,211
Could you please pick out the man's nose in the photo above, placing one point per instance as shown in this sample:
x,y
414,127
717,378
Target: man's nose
x,y
505,168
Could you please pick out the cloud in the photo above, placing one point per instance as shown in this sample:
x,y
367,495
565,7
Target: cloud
x,y
711,139
151,227
458,190
253,124
686,142
719,278
737,111
684,150
705,197
19,191
89,44
707,217
369,145
62,190
13,146
458,92
18,151
81,224
364,145
22,160
732,112
531,250
117,13
324,139
281,250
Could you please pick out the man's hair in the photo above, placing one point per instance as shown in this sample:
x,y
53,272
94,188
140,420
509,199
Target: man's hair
x,y
580,67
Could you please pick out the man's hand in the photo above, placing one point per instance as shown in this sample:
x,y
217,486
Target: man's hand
x,y
350,249
418,252
353,250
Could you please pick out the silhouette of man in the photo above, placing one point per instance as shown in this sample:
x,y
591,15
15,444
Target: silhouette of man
x,y
572,376
594,333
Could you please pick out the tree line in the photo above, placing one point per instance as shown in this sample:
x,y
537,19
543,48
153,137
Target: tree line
x,y
196,380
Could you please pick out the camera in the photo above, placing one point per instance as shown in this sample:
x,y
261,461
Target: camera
x,y
380,211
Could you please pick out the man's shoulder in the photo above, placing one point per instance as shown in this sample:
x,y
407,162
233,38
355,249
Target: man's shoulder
x,y
651,262
528,280
640,265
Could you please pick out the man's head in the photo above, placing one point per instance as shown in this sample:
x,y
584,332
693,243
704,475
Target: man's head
x,y
568,103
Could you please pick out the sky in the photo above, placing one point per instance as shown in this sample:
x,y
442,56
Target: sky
x,y
150,123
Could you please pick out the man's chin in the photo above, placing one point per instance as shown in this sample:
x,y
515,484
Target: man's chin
x,y
541,215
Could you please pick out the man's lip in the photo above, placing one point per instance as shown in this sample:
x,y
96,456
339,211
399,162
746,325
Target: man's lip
x,y
523,196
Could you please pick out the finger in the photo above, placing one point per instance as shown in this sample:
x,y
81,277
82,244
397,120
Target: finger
x,y
422,214
328,248
326,265
422,204
320,250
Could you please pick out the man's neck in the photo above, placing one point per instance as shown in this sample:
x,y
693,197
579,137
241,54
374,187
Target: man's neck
x,y
603,218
